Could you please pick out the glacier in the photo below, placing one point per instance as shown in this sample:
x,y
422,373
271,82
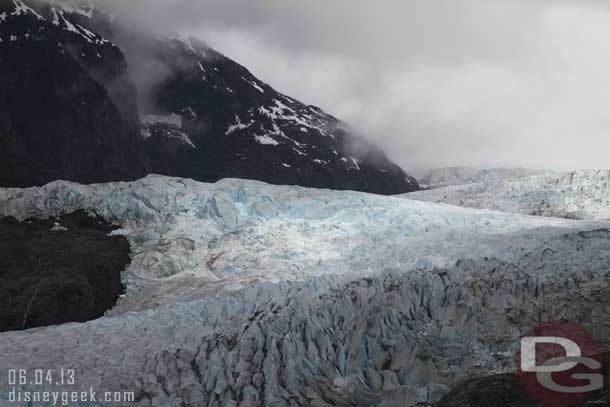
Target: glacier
x,y
241,293
446,176
578,194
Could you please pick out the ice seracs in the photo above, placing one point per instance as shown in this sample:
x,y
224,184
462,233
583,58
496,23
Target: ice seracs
x,y
580,194
243,293
447,176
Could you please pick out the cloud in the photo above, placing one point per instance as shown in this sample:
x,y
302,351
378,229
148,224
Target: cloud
x,y
433,82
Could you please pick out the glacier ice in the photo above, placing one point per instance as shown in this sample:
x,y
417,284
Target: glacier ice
x,y
580,194
442,177
241,293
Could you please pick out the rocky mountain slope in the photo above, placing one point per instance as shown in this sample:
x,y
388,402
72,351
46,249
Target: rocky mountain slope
x,y
70,111
228,123
241,293
581,194
67,106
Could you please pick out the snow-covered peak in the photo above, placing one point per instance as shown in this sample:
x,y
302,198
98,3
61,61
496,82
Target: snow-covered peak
x,y
60,14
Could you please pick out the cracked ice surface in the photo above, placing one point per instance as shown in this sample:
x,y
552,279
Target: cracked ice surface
x,y
245,294
580,194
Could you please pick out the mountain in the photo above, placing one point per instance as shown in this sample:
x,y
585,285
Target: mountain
x,y
241,293
71,111
236,126
67,107
580,194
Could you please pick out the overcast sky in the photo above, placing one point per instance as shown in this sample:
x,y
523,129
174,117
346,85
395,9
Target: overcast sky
x,y
433,82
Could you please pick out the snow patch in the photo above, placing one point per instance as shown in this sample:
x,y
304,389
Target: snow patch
x,y
237,126
58,228
266,140
183,138
60,20
21,9
280,111
254,84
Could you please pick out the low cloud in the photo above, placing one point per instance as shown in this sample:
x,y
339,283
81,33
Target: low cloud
x,y
433,82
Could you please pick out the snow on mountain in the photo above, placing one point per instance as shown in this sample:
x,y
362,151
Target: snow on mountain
x,y
229,123
69,109
57,13
241,293
442,177
581,194
244,128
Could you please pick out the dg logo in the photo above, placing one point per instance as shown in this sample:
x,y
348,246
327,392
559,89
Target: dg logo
x,y
560,363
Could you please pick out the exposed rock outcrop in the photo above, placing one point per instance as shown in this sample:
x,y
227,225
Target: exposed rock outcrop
x,y
67,108
58,270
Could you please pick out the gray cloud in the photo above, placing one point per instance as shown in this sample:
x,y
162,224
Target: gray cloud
x,y
433,82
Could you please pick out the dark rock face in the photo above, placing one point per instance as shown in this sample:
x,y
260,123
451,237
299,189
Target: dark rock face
x,y
236,126
67,108
58,271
